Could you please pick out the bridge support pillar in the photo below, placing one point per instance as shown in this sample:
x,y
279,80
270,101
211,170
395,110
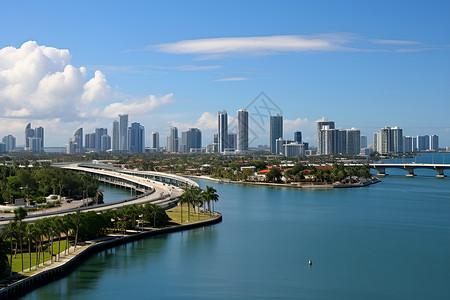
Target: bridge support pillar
x,y
410,172
440,172
381,171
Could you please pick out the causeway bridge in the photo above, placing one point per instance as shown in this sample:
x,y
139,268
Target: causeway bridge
x,y
410,167
155,187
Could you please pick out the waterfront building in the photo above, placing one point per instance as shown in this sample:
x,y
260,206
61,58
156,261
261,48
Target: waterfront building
x,y
10,142
123,133
423,142
242,130
78,140
388,140
276,131
172,140
321,125
115,141
105,143
363,142
279,146
222,130
137,138
212,148
294,149
298,136
29,133
408,144
353,141
155,140
71,147
434,143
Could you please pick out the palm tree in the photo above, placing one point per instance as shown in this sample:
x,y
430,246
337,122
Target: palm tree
x,y
58,225
67,226
210,194
37,236
29,236
181,200
21,228
10,232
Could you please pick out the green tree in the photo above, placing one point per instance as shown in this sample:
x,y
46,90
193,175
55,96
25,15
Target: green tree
x,y
274,175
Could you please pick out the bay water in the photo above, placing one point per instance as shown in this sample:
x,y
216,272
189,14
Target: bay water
x,y
390,240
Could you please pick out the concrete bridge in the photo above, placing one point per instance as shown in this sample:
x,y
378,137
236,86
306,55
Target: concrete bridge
x,y
158,188
410,167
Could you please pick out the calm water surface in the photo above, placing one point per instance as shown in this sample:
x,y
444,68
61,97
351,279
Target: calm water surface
x,y
387,241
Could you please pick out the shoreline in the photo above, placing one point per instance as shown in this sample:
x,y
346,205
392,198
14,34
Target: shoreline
x,y
61,270
284,185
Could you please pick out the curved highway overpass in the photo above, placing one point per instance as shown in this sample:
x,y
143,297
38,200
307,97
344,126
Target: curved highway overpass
x,y
158,188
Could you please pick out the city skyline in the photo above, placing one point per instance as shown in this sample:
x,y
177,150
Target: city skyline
x,y
309,61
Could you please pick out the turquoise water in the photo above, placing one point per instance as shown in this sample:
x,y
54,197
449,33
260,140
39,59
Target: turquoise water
x,y
112,193
386,241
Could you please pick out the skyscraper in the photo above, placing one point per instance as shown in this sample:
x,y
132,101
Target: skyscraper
x,y
99,132
320,134
31,133
172,140
434,142
123,133
40,134
105,143
222,120
115,137
78,140
276,131
137,138
155,140
298,137
353,141
388,140
363,141
10,142
232,141
423,142
242,130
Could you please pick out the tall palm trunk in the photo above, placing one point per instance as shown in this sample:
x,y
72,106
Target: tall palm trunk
x,y
21,251
29,251
59,246
10,259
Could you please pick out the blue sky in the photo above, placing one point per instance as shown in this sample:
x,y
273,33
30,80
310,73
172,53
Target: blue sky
x,y
362,64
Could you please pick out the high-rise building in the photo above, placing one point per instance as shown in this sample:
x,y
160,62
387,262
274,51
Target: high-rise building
x,y
242,130
294,149
423,142
222,120
388,140
3,148
363,141
87,144
115,142
321,124
34,133
298,136
35,144
123,133
29,133
353,141
232,141
172,140
193,139
99,132
71,147
78,140
10,142
40,134
155,140
408,144
434,143
105,143
137,138
276,131
279,145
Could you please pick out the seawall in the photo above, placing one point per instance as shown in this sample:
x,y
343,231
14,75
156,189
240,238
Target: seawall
x,y
35,281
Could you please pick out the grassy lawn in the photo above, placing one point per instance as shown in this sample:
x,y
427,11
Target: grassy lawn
x,y
17,261
174,214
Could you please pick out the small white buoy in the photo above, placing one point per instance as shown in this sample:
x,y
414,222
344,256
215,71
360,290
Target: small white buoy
x,y
310,262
